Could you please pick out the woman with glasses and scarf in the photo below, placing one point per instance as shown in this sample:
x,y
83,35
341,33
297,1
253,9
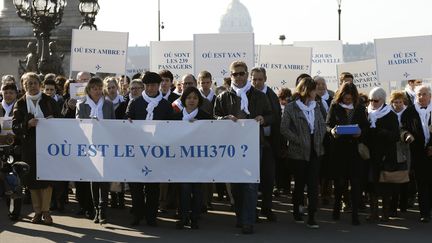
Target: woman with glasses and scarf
x,y
381,140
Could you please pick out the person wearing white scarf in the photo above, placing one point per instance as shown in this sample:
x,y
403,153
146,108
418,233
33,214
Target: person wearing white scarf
x,y
210,95
324,99
117,100
7,107
189,116
399,114
349,107
33,106
309,112
96,108
241,92
375,114
151,103
425,116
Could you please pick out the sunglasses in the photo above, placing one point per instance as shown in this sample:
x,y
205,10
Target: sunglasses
x,y
238,74
374,101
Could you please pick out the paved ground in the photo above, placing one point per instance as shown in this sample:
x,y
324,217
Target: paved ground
x,y
215,226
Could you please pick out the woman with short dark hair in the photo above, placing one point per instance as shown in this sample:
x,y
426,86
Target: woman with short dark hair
x,y
304,127
191,192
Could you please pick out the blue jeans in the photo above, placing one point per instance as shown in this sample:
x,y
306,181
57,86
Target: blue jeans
x,y
245,202
190,192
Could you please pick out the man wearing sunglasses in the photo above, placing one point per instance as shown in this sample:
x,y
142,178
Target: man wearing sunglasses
x,y
242,101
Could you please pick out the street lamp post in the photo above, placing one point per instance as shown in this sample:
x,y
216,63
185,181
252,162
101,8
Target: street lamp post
x,y
339,12
161,25
88,9
44,15
282,39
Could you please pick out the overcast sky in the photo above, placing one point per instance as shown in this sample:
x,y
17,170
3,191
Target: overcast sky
x,y
362,20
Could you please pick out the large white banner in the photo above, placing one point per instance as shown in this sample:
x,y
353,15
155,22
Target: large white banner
x,y
99,51
325,56
404,58
365,75
176,56
284,64
148,151
215,52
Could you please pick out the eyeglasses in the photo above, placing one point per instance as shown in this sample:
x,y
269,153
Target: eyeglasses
x,y
238,74
374,101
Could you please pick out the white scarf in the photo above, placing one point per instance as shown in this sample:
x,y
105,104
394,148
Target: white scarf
x,y
349,107
117,100
96,109
425,115
130,97
309,112
179,104
209,96
374,115
177,92
241,92
399,114
56,98
31,107
167,94
324,99
264,90
411,93
189,116
152,103
7,108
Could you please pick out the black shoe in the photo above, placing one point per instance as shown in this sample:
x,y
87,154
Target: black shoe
x,y
312,224
298,218
425,219
247,229
96,217
194,224
102,216
355,221
13,217
152,223
179,225
136,221
269,215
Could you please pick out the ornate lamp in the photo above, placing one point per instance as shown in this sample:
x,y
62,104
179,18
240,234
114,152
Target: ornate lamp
x,y
89,10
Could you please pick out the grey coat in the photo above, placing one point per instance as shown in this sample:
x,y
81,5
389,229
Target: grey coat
x,y
83,110
295,128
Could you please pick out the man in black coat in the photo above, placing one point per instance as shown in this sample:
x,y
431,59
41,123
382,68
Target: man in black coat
x,y
166,86
416,127
271,149
242,101
149,106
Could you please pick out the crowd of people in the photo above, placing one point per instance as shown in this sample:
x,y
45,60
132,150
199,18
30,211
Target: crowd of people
x,y
352,147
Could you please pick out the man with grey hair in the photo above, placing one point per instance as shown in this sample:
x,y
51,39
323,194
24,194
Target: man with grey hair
x,y
416,127
189,80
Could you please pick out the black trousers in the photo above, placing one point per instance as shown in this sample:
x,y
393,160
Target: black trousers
x,y
267,176
424,197
17,205
84,196
341,184
306,173
145,203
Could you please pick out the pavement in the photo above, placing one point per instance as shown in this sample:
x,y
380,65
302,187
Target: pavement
x,y
217,225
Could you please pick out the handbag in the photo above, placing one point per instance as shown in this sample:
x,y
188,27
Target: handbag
x,y
400,176
363,150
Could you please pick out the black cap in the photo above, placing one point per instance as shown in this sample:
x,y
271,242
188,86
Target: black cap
x,y
151,78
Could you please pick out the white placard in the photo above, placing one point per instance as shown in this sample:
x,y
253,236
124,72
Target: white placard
x,y
365,75
6,125
175,56
284,64
404,58
325,56
215,53
138,60
148,151
77,90
99,51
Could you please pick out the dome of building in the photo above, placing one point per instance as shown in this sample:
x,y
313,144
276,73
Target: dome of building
x,y
236,19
